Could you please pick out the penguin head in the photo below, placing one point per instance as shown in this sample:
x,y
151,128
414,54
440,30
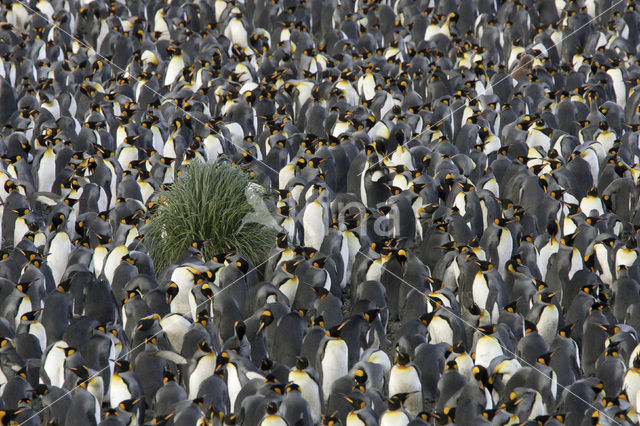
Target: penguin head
x,y
24,287
610,329
394,403
271,408
545,358
172,292
484,265
292,387
30,317
402,358
203,346
122,366
529,327
488,330
206,291
302,363
146,323
222,360
57,221
318,321
282,240
266,318
168,376
546,297
360,376
240,329
129,405
330,420
6,343
68,351
151,342
335,331
481,375
401,255
356,403
65,285
512,403
371,315
82,372
243,265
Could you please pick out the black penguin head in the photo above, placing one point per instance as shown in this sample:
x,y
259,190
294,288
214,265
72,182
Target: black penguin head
x,y
319,262
611,329
147,322
266,364
335,331
545,358
321,292
394,403
330,420
24,287
281,240
371,315
110,412
56,221
69,351
511,307
512,403
487,330
266,318
318,321
292,387
6,343
402,358
122,366
82,372
206,291
230,419
172,292
203,345
427,317
302,363
401,255
566,330
356,403
241,329
484,265
243,265
529,327
271,408
547,297
481,375
636,361
360,376
552,228
168,376
222,360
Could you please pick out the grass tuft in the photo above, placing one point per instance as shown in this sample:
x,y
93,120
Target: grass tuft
x,y
210,202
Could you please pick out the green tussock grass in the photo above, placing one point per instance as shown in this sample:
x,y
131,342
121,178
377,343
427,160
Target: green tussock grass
x,y
209,202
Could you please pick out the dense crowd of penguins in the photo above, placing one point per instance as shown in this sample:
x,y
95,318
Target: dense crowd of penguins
x,y
456,182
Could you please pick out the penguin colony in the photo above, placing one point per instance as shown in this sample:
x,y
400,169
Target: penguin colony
x,y
457,186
